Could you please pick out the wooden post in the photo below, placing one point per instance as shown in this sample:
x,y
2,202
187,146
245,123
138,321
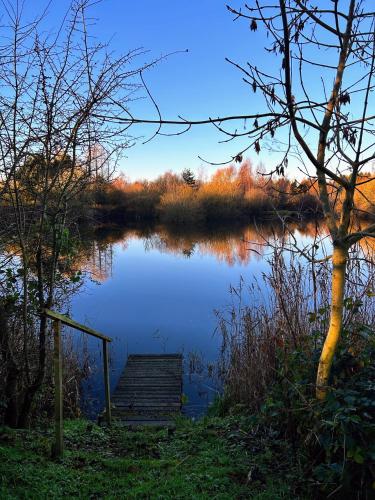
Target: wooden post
x,y
106,383
58,447
58,320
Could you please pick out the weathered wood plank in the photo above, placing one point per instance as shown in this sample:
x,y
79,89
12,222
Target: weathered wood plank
x,y
149,390
149,397
123,414
146,413
161,372
150,405
145,391
172,377
156,423
151,365
154,356
144,380
65,320
162,397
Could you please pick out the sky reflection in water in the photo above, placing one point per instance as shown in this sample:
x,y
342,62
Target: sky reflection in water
x,y
156,291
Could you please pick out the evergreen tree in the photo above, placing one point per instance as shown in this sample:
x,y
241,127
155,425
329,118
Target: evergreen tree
x,y
189,178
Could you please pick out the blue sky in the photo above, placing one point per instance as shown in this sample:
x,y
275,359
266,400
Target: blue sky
x,y
196,84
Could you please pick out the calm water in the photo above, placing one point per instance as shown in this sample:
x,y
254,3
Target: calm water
x,y
156,291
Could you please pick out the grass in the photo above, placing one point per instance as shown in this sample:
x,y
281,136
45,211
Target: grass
x,y
215,458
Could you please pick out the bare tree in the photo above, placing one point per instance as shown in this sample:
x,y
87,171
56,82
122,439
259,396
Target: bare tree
x,y
318,102
53,145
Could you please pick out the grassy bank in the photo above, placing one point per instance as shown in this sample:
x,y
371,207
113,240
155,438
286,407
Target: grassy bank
x,y
213,458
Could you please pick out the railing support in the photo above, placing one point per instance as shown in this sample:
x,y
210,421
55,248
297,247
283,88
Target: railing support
x,y
106,383
58,447
58,320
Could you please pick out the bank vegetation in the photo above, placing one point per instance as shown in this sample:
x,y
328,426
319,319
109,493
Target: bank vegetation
x,y
232,193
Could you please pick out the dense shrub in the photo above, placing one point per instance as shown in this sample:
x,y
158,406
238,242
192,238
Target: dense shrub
x,y
180,206
334,440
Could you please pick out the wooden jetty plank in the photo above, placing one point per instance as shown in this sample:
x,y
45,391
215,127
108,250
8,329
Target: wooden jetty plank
x,y
155,356
149,390
141,391
148,397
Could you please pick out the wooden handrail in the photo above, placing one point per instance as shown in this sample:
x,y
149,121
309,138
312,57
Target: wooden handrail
x,y
65,320
58,320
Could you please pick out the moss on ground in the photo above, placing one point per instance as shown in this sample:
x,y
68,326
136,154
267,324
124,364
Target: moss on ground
x,y
212,458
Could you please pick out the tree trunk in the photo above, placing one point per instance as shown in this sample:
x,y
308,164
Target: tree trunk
x,y
339,260
39,377
11,371
32,390
11,411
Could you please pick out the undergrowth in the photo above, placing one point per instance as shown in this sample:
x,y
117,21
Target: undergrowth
x,y
269,357
333,441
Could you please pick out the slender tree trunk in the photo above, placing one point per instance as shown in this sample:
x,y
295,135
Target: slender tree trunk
x,y
11,372
23,420
11,411
339,260
39,377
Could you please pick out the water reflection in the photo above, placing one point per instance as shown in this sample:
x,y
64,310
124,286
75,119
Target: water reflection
x,y
155,289
238,245
100,261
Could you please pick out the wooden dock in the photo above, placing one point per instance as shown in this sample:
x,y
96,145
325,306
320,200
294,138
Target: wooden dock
x,y
149,390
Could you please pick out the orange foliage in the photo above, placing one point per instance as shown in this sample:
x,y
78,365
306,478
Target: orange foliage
x,y
364,198
231,192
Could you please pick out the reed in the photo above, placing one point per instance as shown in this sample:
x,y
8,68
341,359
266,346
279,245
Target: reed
x,y
286,312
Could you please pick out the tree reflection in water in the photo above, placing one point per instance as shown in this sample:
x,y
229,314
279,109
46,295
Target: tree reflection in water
x,y
232,245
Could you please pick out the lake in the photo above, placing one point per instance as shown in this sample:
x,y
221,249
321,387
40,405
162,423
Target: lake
x,y
155,290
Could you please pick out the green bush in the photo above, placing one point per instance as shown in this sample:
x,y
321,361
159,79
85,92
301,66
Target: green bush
x,y
334,440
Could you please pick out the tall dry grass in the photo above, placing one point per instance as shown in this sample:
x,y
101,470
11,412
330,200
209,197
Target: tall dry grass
x,y
287,311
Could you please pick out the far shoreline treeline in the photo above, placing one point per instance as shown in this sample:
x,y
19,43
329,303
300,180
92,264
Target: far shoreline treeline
x,y
232,193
